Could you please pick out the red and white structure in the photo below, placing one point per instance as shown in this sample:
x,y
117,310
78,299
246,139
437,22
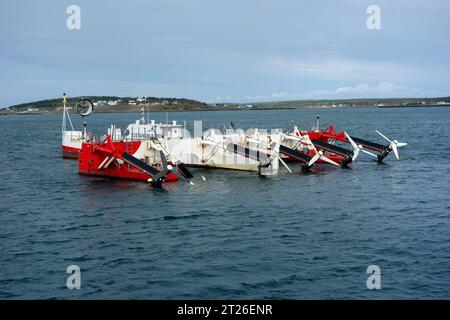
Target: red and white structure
x,y
157,152
121,159
71,139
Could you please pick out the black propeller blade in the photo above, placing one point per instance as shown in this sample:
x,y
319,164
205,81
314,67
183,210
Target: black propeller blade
x,y
158,179
183,170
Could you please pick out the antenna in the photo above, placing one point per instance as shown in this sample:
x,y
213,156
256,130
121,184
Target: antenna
x,y
84,130
66,114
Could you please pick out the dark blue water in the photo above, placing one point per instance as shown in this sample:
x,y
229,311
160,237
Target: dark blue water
x,y
235,235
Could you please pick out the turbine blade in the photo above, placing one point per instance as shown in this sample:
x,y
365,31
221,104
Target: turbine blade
x,y
284,164
382,135
394,148
322,157
355,154
313,159
369,153
354,145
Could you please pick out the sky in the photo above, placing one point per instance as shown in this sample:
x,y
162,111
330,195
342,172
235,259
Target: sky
x,y
221,51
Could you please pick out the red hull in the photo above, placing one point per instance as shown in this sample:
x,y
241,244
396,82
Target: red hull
x,y
70,153
90,159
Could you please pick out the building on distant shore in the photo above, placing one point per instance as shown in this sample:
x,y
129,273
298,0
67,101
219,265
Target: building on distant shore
x,y
29,110
100,103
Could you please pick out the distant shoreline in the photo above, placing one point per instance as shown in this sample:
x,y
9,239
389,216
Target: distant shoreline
x,y
115,104
416,106
210,109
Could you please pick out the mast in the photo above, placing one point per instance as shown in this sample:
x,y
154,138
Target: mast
x,y
66,114
63,128
143,115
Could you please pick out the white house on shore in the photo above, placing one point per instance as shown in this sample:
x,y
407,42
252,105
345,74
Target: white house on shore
x,y
100,103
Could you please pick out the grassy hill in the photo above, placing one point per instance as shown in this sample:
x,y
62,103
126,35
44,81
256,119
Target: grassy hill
x,y
110,104
133,104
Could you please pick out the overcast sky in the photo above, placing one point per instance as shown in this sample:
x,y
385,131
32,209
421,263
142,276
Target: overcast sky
x,y
224,50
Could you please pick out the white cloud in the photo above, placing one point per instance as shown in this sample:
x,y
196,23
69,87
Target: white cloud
x,y
341,69
362,90
279,94
224,98
257,98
